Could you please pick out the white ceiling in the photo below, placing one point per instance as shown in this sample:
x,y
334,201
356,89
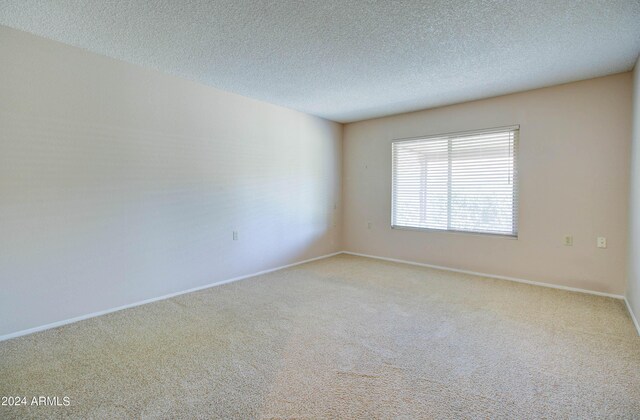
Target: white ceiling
x,y
351,60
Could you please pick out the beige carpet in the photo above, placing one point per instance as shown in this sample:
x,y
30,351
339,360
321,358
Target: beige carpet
x,y
344,337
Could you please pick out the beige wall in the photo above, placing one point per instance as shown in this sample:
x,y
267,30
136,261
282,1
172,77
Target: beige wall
x,y
633,286
574,169
119,184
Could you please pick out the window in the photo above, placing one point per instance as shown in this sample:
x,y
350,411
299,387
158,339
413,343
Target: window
x,y
464,182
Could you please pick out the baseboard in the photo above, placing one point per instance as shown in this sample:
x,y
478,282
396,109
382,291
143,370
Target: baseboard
x,y
633,316
494,276
155,299
219,283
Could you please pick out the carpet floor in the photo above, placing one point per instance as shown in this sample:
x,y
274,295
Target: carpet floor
x,y
343,337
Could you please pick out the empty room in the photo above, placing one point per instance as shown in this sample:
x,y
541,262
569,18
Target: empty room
x,y
319,209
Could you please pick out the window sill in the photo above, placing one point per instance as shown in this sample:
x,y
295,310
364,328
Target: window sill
x,y
464,232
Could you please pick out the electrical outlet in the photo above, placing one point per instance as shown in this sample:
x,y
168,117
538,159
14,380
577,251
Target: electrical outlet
x,y
235,235
602,242
568,240
368,225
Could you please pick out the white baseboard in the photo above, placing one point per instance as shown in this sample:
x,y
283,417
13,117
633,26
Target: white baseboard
x,y
494,276
534,283
219,283
155,299
633,316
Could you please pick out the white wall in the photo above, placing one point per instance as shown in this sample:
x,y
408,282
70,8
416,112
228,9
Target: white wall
x,y
119,184
633,286
574,169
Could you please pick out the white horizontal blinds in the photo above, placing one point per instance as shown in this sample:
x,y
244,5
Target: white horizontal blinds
x,y
461,182
482,183
420,183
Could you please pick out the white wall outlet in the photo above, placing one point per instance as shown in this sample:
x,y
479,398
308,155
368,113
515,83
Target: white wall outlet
x,y
602,242
235,235
568,240
368,225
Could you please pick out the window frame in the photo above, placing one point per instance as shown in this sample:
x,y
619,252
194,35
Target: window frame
x,y
516,182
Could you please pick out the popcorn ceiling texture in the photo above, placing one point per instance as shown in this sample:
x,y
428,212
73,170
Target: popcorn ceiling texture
x,y
351,60
344,337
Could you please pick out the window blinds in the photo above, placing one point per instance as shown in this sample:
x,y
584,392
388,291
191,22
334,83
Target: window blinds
x,y
460,182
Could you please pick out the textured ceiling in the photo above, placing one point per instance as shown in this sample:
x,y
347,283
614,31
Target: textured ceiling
x,y
350,60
